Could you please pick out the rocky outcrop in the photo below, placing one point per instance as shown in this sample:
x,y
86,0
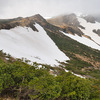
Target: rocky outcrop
x,y
69,19
28,22
97,31
68,23
87,37
72,30
89,18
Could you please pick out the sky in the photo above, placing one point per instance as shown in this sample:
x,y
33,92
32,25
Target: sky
x,y
47,8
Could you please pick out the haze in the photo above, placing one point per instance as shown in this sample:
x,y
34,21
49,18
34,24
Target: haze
x,y
47,8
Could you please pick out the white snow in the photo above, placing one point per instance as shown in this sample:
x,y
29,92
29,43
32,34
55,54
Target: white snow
x,y
75,74
23,42
78,75
7,58
89,27
83,40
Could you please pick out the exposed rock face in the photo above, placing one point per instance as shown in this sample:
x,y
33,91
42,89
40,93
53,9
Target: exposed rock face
x,y
70,20
28,22
40,20
69,23
89,18
72,30
13,23
87,37
97,31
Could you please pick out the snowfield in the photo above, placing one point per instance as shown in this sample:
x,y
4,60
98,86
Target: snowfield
x,y
23,42
89,27
83,40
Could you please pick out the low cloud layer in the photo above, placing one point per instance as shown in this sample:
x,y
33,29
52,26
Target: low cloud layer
x,y
47,8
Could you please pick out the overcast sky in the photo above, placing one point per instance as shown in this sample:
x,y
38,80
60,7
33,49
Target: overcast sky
x,y
47,8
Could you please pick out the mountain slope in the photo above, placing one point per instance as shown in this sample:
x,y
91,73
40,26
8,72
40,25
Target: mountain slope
x,y
84,40
23,42
89,27
83,26
34,39
83,59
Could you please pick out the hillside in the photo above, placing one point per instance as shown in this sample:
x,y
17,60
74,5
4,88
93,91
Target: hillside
x,y
83,25
30,49
23,42
21,81
87,57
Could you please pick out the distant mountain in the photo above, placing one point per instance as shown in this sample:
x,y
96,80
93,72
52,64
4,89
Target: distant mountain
x,y
25,38
97,17
84,25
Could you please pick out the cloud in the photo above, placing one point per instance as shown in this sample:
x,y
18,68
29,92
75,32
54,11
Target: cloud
x,y
47,8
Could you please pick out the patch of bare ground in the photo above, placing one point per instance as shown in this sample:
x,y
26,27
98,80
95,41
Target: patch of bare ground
x,y
95,64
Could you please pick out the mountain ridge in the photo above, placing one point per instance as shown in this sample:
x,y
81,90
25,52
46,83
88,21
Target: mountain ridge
x,y
73,24
53,32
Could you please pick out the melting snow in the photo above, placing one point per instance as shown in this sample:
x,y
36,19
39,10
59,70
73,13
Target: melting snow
x,y
23,42
89,27
75,74
83,40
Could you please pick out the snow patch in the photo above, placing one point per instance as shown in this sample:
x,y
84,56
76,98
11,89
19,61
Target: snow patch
x,y
7,58
23,42
75,74
89,27
83,40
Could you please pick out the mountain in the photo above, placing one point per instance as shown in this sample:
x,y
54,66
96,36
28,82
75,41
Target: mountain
x,y
97,17
34,39
85,26
25,38
36,56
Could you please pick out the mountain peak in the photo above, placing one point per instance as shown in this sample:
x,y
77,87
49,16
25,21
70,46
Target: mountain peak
x,y
20,21
38,15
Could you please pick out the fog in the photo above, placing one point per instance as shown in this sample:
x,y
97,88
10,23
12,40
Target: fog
x,y
47,8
